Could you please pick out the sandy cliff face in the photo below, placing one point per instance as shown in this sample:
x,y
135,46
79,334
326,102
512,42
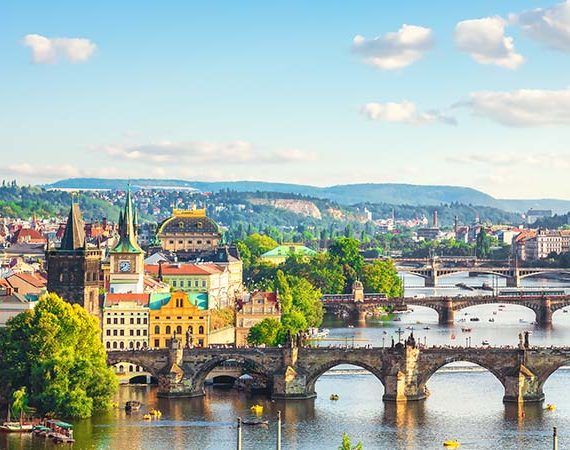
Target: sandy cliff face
x,y
302,207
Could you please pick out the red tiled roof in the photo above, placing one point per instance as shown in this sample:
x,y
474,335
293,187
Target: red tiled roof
x,y
183,269
116,298
28,235
35,280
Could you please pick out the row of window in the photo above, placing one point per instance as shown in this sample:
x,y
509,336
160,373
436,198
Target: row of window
x,y
168,329
121,345
121,321
171,241
180,317
180,283
139,332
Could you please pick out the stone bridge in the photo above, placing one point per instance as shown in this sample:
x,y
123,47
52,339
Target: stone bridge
x,y
543,307
403,370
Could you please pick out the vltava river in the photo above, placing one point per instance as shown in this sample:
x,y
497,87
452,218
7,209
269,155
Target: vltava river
x,y
465,402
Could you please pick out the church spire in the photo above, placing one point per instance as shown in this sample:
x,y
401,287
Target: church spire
x,y
127,232
74,234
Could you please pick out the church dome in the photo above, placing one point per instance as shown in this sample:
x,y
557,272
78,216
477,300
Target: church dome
x,y
188,222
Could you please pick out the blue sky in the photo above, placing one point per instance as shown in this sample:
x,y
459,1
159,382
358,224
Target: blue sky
x,y
310,92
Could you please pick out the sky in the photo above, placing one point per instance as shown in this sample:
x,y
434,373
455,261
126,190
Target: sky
x,y
324,92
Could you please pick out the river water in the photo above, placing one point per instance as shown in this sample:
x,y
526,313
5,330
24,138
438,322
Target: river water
x,y
465,402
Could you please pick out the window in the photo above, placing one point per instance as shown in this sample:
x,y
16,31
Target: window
x,y
201,330
171,242
121,332
114,345
156,329
208,242
145,321
167,331
131,344
157,343
179,318
198,242
122,345
132,320
173,283
122,320
178,329
108,321
138,332
108,344
115,321
196,283
181,241
108,332
203,283
190,241
131,332
138,344
114,332
144,332
138,320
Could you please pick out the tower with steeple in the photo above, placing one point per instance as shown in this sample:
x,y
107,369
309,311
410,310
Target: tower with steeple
x,y
127,258
74,268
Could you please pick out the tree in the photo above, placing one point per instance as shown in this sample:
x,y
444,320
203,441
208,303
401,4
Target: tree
x,y
306,301
382,276
322,270
259,244
265,332
483,245
284,292
55,352
347,445
347,252
20,402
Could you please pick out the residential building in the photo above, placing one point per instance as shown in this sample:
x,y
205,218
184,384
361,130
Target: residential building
x,y
26,283
531,245
175,314
188,231
428,234
12,303
279,254
125,321
251,310
74,268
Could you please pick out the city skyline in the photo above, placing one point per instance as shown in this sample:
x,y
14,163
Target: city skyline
x,y
469,95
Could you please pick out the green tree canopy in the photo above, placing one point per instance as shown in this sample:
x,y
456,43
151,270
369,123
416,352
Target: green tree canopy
x,y
347,252
259,244
55,352
265,332
382,276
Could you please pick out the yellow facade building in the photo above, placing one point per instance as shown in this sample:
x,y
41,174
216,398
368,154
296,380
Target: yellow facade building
x,y
174,313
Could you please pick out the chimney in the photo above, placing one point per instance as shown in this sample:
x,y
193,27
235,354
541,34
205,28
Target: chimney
x,y
435,218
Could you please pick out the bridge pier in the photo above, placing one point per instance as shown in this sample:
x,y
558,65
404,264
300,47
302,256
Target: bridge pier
x,y
404,385
544,312
174,382
522,386
446,313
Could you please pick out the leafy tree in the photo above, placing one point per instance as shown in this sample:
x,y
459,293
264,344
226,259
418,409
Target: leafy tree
x,y
284,291
306,301
347,445
54,351
259,244
321,270
483,245
20,402
346,250
382,276
265,332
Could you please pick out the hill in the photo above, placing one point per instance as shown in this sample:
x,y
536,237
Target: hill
x,y
388,193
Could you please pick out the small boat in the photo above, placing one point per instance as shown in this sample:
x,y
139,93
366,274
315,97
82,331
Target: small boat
x,y
550,407
155,413
451,443
257,409
397,319
334,397
474,319
132,405
466,329
522,321
426,328
494,313
351,326
485,342
502,306
255,422
147,417
565,311
491,320
16,427
409,328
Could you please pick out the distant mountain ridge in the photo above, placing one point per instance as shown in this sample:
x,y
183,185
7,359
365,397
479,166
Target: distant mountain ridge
x,y
392,193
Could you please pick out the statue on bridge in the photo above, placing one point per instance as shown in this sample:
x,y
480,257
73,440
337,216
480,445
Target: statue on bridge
x,y
189,338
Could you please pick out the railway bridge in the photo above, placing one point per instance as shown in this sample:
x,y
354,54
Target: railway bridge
x,y
404,369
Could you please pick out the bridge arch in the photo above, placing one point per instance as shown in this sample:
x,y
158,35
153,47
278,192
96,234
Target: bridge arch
x,y
542,272
320,370
132,361
478,270
433,367
249,365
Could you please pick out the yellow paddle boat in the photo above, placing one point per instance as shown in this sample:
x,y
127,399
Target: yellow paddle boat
x,y
334,397
550,407
257,409
147,417
451,444
155,413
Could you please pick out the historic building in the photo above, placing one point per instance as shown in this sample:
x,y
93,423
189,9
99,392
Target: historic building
x,y
251,310
74,268
174,314
12,303
188,231
279,254
126,271
126,321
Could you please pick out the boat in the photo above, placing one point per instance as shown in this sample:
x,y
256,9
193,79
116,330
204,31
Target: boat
x,y
255,422
334,397
351,326
491,320
397,319
550,407
565,311
451,443
147,417
474,319
155,413
132,405
426,328
56,430
494,313
466,329
257,409
522,321
485,342
20,426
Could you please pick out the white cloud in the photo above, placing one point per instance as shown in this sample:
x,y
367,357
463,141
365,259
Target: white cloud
x,y
509,159
50,50
203,152
485,40
404,112
522,108
550,26
396,49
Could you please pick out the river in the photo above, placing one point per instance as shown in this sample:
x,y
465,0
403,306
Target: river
x,y
465,401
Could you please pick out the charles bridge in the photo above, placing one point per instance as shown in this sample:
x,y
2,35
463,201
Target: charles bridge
x,y
404,369
367,304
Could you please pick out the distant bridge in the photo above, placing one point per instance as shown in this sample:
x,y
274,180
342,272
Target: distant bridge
x,y
292,372
543,307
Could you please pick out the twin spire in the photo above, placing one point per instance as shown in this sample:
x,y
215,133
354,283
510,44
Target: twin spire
x,y
128,228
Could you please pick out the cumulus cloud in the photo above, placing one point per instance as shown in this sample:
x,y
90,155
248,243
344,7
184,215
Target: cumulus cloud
x,y
485,40
522,108
50,50
396,49
549,26
404,112
204,152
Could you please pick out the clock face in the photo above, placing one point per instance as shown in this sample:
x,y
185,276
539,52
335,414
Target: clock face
x,y
124,266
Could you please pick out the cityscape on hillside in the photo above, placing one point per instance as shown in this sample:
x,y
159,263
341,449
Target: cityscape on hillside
x,y
291,226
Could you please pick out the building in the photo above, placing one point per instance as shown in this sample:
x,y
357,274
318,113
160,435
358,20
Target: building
x,y
428,234
74,268
26,283
279,254
12,303
251,310
28,236
207,278
174,314
126,272
125,321
188,231
531,245
533,215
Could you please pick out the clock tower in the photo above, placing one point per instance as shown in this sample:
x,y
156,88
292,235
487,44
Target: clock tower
x,y
127,258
